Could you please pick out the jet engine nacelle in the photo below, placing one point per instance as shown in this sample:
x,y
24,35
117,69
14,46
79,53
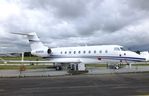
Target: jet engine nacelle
x,y
42,52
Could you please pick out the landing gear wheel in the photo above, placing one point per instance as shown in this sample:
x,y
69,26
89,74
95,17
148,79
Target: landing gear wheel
x,y
58,68
116,67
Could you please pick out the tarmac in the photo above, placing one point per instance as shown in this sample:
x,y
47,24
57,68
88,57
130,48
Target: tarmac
x,y
128,84
98,81
53,72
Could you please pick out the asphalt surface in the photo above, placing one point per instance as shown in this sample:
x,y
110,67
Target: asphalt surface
x,y
52,72
132,84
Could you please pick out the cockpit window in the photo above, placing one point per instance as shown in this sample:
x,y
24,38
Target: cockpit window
x,y
116,49
123,49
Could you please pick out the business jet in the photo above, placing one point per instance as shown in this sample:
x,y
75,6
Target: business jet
x,y
79,56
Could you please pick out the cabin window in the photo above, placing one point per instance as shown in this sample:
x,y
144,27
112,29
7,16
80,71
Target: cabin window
x,y
69,52
79,52
61,52
100,51
106,51
84,52
89,52
94,51
74,52
65,52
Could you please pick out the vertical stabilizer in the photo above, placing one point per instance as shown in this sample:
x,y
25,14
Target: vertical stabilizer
x,y
34,41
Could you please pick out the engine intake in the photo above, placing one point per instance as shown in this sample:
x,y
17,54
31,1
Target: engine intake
x,y
49,51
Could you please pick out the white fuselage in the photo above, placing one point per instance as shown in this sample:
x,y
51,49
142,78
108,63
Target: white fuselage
x,y
90,54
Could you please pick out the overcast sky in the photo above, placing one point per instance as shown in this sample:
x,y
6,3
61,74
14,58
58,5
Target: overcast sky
x,y
75,22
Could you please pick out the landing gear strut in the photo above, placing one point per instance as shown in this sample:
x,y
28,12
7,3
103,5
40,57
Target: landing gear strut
x,y
57,66
77,68
73,68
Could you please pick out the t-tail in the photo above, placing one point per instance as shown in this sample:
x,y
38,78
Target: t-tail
x,y
37,47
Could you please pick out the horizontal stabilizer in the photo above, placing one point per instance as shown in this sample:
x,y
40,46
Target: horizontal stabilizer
x,y
31,33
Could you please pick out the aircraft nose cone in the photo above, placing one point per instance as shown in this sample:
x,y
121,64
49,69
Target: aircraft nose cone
x,y
145,55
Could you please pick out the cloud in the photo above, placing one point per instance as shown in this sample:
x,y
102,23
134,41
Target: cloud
x,y
139,4
76,22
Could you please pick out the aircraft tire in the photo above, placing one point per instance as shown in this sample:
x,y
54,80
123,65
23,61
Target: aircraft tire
x,y
58,68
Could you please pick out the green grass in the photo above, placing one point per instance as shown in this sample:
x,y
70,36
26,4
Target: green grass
x,y
14,67
4,67
96,65
19,58
140,64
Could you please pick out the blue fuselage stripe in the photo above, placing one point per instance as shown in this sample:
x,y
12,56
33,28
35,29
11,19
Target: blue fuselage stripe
x,y
101,57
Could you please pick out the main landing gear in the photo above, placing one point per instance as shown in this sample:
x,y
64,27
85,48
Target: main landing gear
x,y
58,68
115,66
73,68
77,68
